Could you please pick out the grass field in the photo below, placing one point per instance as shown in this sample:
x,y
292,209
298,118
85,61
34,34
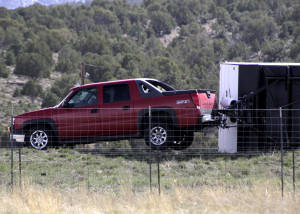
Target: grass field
x,y
70,181
218,199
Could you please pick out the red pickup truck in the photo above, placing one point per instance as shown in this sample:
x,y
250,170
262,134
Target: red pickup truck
x,y
120,110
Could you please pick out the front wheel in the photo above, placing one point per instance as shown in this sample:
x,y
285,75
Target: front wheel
x,y
39,137
161,135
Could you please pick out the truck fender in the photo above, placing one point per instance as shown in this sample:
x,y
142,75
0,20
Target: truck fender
x,y
144,114
44,121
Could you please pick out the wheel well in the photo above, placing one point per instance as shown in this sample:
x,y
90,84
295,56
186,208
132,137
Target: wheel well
x,y
45,125
163,117
48,123
158,116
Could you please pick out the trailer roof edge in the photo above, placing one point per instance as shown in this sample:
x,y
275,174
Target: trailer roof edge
x,y
262,63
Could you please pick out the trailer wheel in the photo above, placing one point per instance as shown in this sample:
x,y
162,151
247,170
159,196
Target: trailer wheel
x,y
183,141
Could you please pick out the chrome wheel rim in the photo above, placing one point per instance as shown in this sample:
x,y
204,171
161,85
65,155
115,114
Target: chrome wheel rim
x,y
158,135
39,139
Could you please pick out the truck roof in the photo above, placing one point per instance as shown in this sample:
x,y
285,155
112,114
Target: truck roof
x,y
111,82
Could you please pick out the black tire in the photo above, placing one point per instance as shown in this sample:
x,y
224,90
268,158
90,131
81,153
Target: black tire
x,y
161,135
39,137
183,140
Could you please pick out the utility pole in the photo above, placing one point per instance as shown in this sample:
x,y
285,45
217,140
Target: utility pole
x,y
82,73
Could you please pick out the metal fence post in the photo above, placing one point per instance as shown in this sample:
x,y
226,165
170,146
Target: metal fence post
x,y
88,180
150,145
12,148
20,169
158,170
281,149
88,168
225,169
294,185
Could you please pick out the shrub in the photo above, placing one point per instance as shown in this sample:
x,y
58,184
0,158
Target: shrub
x,y
50,100
17,92
4,72
32,89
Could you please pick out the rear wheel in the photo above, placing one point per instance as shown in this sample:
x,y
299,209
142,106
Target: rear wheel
x,y
161,135
39,137
183,140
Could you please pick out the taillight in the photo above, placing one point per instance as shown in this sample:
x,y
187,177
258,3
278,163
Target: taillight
x,y
196,99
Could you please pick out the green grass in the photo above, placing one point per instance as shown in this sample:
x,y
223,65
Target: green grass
x,y
67,168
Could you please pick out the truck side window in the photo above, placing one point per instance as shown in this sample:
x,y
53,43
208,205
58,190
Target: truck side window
x,y
116,93
84,97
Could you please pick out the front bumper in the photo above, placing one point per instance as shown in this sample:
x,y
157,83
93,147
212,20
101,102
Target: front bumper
x,y
18,136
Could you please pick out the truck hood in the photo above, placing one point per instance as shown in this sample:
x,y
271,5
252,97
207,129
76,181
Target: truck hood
x,y
39,112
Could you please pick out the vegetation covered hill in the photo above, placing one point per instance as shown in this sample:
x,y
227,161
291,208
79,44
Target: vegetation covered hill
x,y
180,42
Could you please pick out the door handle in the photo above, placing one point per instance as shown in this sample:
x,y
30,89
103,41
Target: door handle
x,y
95,110
126,107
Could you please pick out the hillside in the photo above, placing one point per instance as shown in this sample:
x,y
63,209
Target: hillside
x,y
20,103
180,42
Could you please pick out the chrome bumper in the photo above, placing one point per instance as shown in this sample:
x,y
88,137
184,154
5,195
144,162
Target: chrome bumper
x,y
20,138
207,118
17,135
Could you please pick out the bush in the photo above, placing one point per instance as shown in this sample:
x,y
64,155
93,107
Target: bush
x,y
161,23
4,137
36,61
32,65
32,90
4,72
295,49
62,86
273,50
10,58
50,100
17,92
64,65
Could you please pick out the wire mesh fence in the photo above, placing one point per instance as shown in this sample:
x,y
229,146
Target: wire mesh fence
x,y
84,152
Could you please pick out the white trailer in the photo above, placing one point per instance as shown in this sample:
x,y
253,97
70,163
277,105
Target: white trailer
x,y
266,86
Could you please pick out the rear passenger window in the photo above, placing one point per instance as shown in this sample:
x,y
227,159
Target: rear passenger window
x,y
116,93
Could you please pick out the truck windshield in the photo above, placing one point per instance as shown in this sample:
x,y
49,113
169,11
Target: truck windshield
x,y
161,86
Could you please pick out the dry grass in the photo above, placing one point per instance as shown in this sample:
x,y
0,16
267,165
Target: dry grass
x,y
60,179
219,199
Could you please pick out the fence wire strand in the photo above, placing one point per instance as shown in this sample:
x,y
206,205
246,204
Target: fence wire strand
x,y
106,164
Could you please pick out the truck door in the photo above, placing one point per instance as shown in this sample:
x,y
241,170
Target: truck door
x,y
117,110
80,116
